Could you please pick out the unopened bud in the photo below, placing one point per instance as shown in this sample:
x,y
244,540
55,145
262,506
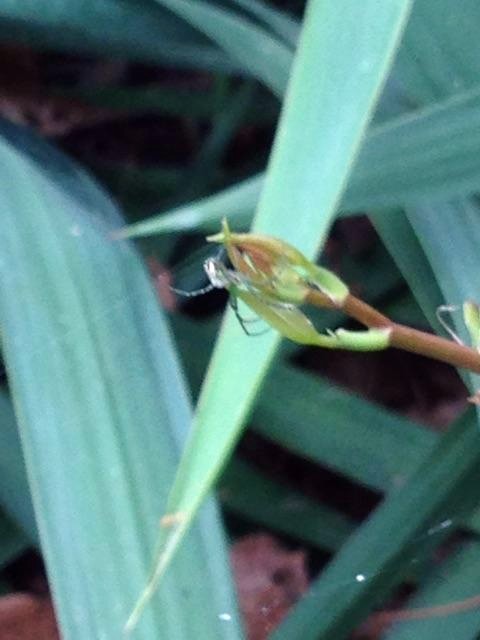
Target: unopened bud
x,y
471,316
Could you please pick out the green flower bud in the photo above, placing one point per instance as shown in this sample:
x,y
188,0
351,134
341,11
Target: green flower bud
x,y
471,316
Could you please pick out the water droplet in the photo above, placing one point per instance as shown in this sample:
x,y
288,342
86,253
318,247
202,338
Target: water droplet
x,y
224,616
439,527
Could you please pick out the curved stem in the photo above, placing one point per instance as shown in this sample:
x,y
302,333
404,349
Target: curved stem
x,y
403,337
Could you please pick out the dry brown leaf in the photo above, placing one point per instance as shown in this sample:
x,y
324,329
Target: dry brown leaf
x,y
269,579
25,616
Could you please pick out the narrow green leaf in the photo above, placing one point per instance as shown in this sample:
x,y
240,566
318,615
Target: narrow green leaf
x,y
448,231
439,54
255,49
225,123
331,95
471,318
101,405
278,21
176,101
399,238
378,556
12,541
369,444
430,153
236,203
455,224
387,447
137,31
453,582
397,520
251,494
14,491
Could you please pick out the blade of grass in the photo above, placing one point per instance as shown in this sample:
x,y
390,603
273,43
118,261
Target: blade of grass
x,y
175,101
439,55
236,202
399,238
318,137
354,606
378,448
453,584
136,31
261,54
12,541
382,547
388,447
252,494
101,404
279,22
14,491
427,78
447,230
430,153
206,165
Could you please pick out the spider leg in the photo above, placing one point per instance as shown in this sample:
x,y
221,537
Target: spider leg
x,y
195,293
244,321
219,255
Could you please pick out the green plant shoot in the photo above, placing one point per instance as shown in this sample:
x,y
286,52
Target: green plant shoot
x,y
273,279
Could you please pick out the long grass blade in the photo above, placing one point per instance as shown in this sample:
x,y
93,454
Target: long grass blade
x,y
308,169
101,405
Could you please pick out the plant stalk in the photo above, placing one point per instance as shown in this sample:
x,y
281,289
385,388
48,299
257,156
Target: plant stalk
x,y
403,337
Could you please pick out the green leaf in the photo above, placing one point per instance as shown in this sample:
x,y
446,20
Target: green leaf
x,y
438,57
438,593
137,31
471,317
430,153
236,203
331,95
441,232
399,238
12,541
381,550
447,230
255,49
14,491
277,21
101,405
253,495
225,124
427,78
386,447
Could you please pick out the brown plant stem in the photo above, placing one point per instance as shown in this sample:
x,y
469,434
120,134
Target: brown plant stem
x,y
382,619
403,337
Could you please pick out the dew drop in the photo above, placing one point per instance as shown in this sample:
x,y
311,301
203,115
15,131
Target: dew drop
x,y
224,616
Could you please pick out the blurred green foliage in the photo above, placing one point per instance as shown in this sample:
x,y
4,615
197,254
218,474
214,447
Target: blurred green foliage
x,y
173,106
